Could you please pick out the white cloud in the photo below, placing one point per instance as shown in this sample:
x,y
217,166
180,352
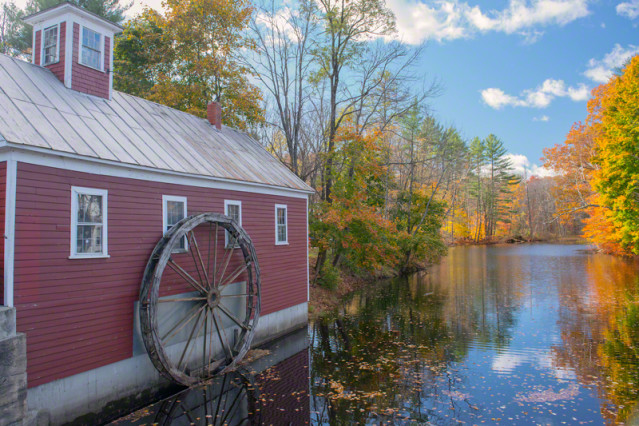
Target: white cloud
x,y
417,21
508,360
452,19
496,98
540,97
541,118
523,167
628,9
600,71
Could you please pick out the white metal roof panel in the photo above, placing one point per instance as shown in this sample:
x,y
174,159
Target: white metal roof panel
x,y
37,110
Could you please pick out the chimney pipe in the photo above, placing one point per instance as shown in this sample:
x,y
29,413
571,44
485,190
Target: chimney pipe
x,y
214,114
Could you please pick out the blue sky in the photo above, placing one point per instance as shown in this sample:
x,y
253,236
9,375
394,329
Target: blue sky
x,y
521,69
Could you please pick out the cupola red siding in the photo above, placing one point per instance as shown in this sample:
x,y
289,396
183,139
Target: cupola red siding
x,y
86,79
38,48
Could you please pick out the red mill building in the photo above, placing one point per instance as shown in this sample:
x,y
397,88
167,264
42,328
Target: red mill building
x,y
72,272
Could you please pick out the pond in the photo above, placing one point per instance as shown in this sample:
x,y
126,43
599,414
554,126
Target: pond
x,y
527,334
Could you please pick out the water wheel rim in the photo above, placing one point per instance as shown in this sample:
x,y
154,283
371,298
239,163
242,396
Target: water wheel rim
x,y
150,300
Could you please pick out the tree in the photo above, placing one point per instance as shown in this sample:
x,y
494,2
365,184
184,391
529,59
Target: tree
x,y
139,54
193,52
500,180
282,64
348,25
352,227
617,178
12,31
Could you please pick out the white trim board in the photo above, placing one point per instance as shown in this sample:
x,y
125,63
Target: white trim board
x,y
45,157
9,230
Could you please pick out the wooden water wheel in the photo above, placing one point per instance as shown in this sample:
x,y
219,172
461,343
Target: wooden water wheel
x,y
230,400
200,298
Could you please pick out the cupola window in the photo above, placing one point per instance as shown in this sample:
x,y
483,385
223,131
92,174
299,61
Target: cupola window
x,y
91,49
50,45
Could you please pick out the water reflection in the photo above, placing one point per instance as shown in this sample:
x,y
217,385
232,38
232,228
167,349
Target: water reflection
x,y
534,334
537,334
273,390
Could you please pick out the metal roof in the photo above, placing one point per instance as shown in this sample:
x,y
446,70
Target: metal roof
x,y
37,110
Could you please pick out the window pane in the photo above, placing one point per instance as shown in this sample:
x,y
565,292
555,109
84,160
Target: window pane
x,y
90,39
89,208
90,57
281,233
233,211
89,239
281,216
175,212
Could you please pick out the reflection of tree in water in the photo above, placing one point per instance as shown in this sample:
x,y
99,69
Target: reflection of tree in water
x,y
600,332
226,400
620,356
392,351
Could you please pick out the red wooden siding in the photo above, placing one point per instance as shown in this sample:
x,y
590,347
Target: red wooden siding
x,y
3,203
57,68
78,313
86,79
38,46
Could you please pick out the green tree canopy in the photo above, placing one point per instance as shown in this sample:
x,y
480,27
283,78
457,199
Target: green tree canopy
x,y
188,57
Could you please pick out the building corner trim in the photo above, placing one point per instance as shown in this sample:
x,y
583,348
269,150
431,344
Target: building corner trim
x,y
9,230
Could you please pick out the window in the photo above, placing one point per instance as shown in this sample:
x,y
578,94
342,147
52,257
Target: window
x,y
281,224
50,45
173,211
91,49
88,222
232,209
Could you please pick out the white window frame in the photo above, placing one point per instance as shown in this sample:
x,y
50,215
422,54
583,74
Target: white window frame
x,y
57,49
165,200
75,192
81,45
228,203
277,241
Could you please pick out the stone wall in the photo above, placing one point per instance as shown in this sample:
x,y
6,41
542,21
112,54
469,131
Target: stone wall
x,y
13,370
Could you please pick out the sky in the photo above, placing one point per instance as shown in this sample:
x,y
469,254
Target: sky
x,y
520,69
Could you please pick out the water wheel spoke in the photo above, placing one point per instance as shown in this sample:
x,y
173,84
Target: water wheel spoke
x,y
233,317
235,274
236,295
182,299
206,323
204,279
197,325
228,258
184,321
208,256
210,341
226,348
193,249
214,272
219,401
186,276
230,409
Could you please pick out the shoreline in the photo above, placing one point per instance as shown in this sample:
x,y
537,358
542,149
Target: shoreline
x,y
322,300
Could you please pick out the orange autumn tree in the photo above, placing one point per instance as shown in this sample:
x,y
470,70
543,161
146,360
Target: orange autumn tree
x,y
598,165
352,228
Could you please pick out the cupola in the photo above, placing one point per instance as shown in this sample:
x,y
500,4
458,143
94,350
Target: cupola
x,y
77,46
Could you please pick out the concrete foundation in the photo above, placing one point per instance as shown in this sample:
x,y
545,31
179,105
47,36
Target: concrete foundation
x,y
108,391
13,370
